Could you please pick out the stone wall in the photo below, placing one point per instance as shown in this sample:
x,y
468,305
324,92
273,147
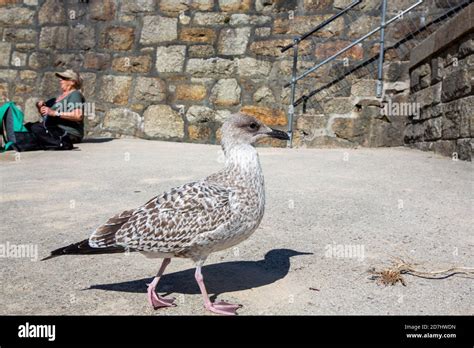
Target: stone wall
x,y
345,111
442,83
175,69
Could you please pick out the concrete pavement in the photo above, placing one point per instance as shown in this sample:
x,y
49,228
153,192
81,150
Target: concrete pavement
x,y
346,210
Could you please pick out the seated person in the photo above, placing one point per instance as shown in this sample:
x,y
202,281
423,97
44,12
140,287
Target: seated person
x,y
62,124
62,116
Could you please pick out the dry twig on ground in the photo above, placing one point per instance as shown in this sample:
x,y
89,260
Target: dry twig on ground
x,y
394,273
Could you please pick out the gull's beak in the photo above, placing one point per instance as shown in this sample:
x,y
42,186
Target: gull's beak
x,y
278,134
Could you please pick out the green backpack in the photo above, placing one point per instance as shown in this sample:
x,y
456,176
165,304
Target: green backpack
x,y
17,122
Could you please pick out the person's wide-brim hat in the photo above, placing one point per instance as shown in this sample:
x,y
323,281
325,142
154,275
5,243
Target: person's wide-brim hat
x,y
70,75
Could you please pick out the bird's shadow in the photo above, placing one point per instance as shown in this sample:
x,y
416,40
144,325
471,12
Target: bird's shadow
x,y
219,278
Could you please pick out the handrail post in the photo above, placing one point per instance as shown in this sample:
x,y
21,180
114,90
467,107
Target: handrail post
x,y
291,108
382,49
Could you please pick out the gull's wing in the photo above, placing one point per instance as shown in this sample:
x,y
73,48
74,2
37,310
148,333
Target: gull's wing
x,y
167,222
104,235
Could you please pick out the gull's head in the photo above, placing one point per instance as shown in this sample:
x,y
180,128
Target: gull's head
x,y
240,129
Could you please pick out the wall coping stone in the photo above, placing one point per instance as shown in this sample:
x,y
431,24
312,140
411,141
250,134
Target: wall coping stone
x,y
456,27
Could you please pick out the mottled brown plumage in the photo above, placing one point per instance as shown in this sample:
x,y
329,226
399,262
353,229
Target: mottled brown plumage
x,y
198,218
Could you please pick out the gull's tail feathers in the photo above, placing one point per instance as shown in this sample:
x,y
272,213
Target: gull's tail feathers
x,y
83,248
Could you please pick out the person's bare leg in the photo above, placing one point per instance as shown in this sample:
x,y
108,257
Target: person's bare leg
x,y
217,307
155,300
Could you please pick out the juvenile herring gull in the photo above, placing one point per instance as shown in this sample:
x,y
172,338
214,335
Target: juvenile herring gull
x,y
195,219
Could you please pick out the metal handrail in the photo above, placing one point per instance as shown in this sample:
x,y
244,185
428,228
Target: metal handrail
x,y
432,22
345,49
295,44
297,40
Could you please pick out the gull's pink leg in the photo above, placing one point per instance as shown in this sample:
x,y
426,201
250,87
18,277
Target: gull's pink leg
x,y
155,300
217,307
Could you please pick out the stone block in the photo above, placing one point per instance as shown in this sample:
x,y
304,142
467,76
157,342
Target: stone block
x,y
235,5
202,5
137,6
172,7
200,114
396,71
240,19
122,121
132,64
456,85
354,129
201,51
233,41
197,35
212,67
466,48
161,121
149,89
210,18
115,89
272,47
253,68
102,10
327,49
118,38
437,73
445,147
96,61
5,52
19,35
39,60
15,16
264,95
158,29
302,24
464,149
199,133
189,92
170,59
428,96
269,116
81,37
364,88
226,92
52,12
53,38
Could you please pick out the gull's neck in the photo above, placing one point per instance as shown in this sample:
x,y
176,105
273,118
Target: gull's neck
x,y
244,158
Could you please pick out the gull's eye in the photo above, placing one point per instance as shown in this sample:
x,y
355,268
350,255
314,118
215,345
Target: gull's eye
x,y
253,126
